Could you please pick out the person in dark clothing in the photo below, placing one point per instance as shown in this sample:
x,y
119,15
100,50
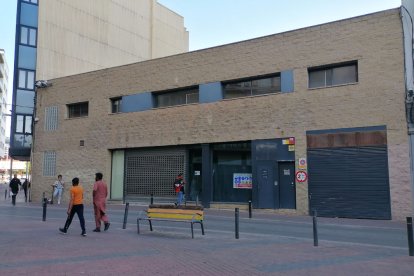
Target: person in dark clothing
x,y
25,186
14,187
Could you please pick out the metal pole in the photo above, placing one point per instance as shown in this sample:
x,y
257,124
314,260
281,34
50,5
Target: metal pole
x,y
53,190
125,215
250,209
410,236
197,200
315,229
152,199
5,194
44,208
236,214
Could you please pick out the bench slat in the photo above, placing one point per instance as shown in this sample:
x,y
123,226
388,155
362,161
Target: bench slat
x,y
175,211
175,216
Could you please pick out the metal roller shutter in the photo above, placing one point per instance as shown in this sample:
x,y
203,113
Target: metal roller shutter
x,y
349,182
153,171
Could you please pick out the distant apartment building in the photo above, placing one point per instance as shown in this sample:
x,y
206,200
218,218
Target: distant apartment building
x,y
4,76
65,37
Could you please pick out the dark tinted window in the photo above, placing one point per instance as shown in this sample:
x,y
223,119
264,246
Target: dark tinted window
x,y
333,75
177,97
78,110
252,87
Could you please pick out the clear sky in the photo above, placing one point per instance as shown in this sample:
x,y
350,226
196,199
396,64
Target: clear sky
x,y
216,22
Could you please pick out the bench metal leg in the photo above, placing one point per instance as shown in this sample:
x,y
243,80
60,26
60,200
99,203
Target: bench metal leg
x,y
150,223
202,227
138,225
192,230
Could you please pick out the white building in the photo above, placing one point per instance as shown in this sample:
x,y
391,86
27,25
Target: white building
x,y
4,76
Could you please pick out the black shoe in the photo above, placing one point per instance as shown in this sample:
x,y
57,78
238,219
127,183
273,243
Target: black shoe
x,y
96,230
63,231
106,226
83,233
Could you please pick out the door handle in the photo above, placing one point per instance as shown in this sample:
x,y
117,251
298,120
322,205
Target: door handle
x,y
276,183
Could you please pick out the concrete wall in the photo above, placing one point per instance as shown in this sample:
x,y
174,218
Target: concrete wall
x,y
77,36
377,99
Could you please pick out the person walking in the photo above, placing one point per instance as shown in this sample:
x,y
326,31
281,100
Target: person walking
x,y
100,192
14,188
75,206
25,186
59,185
179,188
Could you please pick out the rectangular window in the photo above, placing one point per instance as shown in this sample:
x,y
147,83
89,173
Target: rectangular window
x,y
28,36
116,105
252,87
24,124
332,75
78,110
51,118
49,163
30,1
177,97
26,79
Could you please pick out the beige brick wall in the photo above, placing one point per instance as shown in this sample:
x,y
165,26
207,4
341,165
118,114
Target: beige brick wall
x,y
377,99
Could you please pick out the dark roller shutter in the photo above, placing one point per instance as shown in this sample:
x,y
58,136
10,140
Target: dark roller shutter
x,y
348,172
349,182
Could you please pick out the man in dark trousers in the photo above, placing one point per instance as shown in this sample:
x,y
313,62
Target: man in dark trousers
x,y
14,187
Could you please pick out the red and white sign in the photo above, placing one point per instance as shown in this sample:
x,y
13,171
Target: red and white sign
x,y
301,176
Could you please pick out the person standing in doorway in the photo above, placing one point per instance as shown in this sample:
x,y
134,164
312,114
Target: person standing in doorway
x,y
75,206
59,185
14,188
100,192
179,188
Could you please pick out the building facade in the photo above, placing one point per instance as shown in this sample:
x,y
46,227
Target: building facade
x,y
66,37
4,80
310,119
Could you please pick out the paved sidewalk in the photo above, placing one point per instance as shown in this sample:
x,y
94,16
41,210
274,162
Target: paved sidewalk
x,y
30,246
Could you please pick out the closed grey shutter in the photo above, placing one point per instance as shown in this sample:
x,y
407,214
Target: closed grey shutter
x,y
348,175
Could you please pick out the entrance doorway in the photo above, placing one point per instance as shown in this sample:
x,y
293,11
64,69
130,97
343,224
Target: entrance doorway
x,y
287,188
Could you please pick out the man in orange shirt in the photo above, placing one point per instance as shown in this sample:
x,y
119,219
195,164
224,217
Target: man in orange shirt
x,y
75,206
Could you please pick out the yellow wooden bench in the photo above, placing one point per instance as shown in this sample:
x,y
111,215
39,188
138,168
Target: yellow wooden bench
x,y
190,214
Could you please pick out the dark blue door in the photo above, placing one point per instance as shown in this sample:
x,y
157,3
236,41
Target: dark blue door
x,y
287,189
266,184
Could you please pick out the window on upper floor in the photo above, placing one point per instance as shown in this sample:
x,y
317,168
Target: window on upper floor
x,y
51,118
116,104
30,1
176,97
24,124
332,75
28,36
77,110
252,87
26,79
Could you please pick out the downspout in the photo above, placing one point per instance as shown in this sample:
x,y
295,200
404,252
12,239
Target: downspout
x,y
407,23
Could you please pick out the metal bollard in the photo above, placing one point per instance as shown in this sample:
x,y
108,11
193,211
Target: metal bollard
x,y
125,215
53,190
197,200
410,236
250,209
5,194
236,214
152,199
44,208
315,229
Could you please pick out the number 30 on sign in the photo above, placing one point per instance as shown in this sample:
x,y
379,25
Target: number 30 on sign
x,y
301,176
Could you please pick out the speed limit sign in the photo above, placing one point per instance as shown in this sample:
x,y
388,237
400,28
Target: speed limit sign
x,y
301,176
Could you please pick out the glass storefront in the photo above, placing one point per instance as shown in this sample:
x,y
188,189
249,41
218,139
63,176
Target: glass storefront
x,y
232,172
